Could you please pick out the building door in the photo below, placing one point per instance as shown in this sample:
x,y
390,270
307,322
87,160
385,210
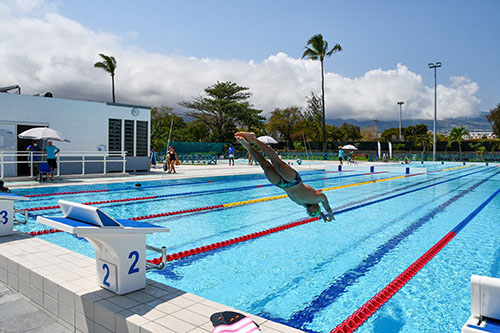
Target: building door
x,y
23,169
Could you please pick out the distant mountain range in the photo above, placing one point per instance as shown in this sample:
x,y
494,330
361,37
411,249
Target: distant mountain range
x,y
472,124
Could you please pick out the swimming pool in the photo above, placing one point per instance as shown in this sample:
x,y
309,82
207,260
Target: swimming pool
x,y
315,275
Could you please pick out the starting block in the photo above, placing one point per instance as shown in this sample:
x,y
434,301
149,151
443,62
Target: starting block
x,y
485,305
120,245
7,212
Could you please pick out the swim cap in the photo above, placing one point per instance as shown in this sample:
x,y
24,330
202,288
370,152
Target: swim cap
x,y
316,213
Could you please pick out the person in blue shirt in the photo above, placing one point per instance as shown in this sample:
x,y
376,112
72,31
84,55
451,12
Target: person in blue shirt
x,y
36,155
231,154
51,157
341,154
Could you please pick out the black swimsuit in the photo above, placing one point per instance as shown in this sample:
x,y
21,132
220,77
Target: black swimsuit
x,y
285,184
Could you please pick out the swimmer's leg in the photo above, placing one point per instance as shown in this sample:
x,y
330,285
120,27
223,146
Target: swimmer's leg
x,y
286,172
272,175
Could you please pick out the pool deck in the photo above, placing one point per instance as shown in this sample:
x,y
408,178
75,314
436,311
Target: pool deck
x,y
48,288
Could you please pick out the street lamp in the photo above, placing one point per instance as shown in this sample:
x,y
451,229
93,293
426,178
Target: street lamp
x,y
400,113
434,65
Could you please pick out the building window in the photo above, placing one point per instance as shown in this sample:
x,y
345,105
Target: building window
x,y
142,138
115,135
129,137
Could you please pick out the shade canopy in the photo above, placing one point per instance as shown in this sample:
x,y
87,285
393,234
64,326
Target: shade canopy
x,y
349,147
267,139
42,133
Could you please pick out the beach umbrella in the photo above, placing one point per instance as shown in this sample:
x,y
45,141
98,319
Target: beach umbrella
x,y
349,147
42,133
267,139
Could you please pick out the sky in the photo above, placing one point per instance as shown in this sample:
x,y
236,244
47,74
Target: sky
x,y
170,51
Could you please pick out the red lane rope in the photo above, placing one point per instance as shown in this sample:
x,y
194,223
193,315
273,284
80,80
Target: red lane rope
x,y
366,310
42,232
214,246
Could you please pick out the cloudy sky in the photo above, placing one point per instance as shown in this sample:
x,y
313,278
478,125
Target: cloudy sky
x,y
169,51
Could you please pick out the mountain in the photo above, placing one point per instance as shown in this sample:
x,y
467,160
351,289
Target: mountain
x,y
472,124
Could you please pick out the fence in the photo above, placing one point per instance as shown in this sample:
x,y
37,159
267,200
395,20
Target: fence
x,y
11,162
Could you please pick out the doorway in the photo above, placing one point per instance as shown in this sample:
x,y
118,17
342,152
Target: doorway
x,y
23,169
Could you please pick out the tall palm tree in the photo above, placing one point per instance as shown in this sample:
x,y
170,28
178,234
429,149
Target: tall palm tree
x,y
456,135
108,64
424,141
317,49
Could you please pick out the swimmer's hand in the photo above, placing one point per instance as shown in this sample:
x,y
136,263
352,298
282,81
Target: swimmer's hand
x,y
329,218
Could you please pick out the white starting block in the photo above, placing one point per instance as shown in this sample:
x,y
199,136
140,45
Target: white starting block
x,y
7,212
120,245
485,305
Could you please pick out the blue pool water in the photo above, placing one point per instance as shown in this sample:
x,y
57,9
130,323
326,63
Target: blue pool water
x,y
315,275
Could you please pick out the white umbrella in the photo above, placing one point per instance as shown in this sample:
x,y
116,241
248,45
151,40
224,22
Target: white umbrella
x,y
349,147
42,133
267,139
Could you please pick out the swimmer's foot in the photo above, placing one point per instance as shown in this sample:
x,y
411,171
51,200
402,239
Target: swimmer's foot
x,y
249,136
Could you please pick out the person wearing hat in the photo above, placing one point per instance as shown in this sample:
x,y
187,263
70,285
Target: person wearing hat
x,y
285,177
341,154
51,151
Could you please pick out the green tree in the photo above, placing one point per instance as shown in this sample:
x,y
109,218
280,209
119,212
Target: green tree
x,y
494,119
388,134
478,147
161,118
282,123
334,133
351,132
424,141
317,49
108,64
411,132
457,135
196,131
224,108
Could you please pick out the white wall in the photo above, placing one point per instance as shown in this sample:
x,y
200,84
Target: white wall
x,y
84,123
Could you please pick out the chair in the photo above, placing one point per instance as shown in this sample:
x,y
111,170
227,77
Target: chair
x,y
44,171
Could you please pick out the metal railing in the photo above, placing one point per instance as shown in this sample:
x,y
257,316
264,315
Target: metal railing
x,y
33,159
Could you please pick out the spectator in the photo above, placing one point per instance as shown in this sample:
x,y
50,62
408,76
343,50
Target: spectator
x,y
33,147
51,157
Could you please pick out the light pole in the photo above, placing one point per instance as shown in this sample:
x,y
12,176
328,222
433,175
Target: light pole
x,y
435,66
400,114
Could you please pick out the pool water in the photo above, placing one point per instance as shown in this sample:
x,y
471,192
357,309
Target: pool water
x,y
315,275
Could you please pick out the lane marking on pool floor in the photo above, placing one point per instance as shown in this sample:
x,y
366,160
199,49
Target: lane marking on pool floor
x,y
355,320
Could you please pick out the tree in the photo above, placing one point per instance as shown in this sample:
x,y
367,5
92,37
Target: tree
x,y
350,132
456,135
389,133
317,51
494,119
161,118
108,64
282,122
224,108
424,141
478,148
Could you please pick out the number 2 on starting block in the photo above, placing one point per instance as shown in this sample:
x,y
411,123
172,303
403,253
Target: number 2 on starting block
x,y
106,274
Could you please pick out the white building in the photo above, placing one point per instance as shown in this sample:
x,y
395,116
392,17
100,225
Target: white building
x,y
479,135
92,127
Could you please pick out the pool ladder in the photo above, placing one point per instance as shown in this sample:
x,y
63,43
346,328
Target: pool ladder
x,y
21,211
161,265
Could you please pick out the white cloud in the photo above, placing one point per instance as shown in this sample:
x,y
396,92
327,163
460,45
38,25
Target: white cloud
x,y
44,51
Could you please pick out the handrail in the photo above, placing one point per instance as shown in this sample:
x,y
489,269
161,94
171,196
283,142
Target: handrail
x,y
83,157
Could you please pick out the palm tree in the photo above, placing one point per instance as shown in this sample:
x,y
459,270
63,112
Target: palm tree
x,y
424,141
109,65
456,135
318,50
